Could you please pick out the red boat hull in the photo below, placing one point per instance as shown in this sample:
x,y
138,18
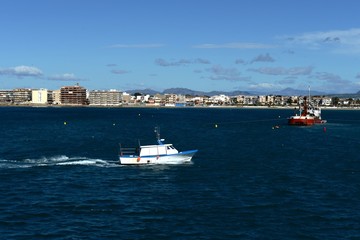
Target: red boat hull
x,y
301,121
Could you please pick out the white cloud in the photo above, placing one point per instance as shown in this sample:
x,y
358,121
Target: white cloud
x,y
147,45
344,41
264,86
263,58
295,71
181,62
21,71
238,45
65,77
115,71
228,74
239,61
331,78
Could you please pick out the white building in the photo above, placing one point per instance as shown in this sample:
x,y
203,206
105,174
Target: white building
x,y
326,101
39,96
219,99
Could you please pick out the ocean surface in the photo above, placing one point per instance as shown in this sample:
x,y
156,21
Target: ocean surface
x,y
60,177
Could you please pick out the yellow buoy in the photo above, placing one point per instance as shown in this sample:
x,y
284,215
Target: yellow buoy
x,y
65,123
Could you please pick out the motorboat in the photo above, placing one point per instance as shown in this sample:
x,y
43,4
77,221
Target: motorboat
x,y
161,153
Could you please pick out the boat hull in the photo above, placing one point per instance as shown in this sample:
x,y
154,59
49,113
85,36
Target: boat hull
x,y
301,121
181,157
304,121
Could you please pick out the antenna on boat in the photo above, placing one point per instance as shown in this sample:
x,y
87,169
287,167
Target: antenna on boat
x,y
159,140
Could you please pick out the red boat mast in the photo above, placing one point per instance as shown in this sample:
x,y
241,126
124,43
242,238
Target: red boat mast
x,y
304,112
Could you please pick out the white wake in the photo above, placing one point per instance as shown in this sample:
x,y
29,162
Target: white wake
x,y
61,160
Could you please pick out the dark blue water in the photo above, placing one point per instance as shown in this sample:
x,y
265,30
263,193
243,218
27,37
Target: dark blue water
x,y
248,180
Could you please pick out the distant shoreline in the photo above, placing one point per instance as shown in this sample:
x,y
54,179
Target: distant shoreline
x,y
167,107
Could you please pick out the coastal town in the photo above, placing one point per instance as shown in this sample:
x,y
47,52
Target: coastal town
x,y
79,96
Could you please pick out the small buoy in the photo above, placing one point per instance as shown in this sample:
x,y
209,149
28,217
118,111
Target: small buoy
x,y
114,124
65,123
139,114
216,125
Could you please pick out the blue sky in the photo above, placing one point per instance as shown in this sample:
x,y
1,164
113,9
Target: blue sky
x,y
205,45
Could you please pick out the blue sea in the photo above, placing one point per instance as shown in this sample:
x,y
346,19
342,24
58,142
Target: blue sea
x,y
60,177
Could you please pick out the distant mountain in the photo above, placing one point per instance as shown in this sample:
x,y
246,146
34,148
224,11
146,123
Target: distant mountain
x,y
186,91
143,91
233,93
346,95
296,92
284,92
183,91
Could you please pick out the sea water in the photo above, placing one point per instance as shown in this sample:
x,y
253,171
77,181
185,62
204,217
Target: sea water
x,y
60,177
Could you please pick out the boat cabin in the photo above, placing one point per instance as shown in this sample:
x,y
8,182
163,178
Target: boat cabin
x,y
157,150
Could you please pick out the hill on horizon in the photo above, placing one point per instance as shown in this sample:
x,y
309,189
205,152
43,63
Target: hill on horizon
x,y
284,92
186,91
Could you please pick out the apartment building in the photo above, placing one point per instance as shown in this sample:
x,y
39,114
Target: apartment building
x,y
22,95
6,96
111,97
73,95
39,96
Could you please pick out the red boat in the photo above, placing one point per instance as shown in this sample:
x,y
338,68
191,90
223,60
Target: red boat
x,y
309,115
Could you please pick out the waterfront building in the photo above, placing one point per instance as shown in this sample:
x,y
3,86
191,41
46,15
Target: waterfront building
x,y
219,99
279,100
198,100
39,96
22,96
104,98
262,100
326,101
50,96
125,97
159,99
240,99
270,99
170,99
73,95
6,96
181,98
142,98
56,97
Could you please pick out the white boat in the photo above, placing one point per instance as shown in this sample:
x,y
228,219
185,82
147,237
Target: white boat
x,y
160,153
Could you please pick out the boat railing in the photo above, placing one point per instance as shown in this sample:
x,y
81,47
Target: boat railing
x,y
128,151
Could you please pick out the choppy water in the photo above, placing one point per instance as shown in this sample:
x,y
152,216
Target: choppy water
x,y
248,180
